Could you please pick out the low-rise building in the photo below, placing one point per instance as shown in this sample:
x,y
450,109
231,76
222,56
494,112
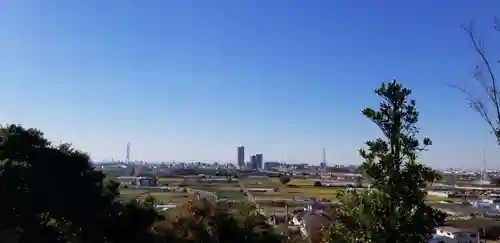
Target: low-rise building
x,y
136,180
312,224
311,221
458,235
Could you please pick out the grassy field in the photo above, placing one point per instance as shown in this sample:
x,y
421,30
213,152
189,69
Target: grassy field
x,y
296,188
300,188
261,183
129,194
302,182
438,198
222,191
170,181
294,193
297,193
222,188
177,198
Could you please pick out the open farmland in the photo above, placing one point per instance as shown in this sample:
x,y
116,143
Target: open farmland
x,y
294,192
302,182
440,198
223,187
171,181
129,194
177,198
260,182
271,195
271,188
231,192
164,197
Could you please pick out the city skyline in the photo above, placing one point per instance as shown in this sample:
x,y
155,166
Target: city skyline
x,y
242,162
184,81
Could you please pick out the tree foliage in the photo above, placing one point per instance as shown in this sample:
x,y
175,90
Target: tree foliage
x,y
206,221
487,103
496,181
51,193
284,179
393,209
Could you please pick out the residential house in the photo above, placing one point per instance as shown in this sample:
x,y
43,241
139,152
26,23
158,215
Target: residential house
x,y
458,235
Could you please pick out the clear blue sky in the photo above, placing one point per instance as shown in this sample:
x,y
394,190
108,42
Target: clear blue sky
x,y
191,80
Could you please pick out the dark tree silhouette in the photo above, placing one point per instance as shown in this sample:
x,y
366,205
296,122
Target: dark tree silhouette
x,y
496,181
204,221
284,179
393,209
51,193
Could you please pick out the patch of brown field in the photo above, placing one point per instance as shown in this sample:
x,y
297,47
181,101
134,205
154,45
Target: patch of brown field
x,y
177,198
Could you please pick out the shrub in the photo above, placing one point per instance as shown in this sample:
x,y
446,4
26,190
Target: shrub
x,y
284,179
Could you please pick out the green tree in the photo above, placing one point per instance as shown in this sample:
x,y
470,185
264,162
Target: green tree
x,y
285,179
205,221
51,193
487,102
129,222
44,184
496,181
393,208
150,200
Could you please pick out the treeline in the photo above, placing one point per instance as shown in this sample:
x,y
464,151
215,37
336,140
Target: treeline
x,y
50,193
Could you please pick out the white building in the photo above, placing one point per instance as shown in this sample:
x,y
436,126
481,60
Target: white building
x,y
458,235
163,207
135,180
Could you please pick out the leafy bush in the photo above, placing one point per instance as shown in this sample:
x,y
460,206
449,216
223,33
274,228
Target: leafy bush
x,y
284,179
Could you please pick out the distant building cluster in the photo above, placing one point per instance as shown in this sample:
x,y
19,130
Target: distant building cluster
x,y
256,161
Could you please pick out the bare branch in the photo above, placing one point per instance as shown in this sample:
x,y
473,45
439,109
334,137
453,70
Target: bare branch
x,y
488,82
478,106
492,91
496,23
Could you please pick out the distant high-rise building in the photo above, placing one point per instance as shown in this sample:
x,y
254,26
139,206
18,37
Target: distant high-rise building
x,y
260,161
323,164
241,157
253,162
127,156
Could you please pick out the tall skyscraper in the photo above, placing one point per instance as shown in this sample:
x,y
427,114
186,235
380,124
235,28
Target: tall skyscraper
x,y
241,157
259,161
253,162
323,164
127,156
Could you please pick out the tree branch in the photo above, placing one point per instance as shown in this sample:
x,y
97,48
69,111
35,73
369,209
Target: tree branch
x,y
478,106
490,87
